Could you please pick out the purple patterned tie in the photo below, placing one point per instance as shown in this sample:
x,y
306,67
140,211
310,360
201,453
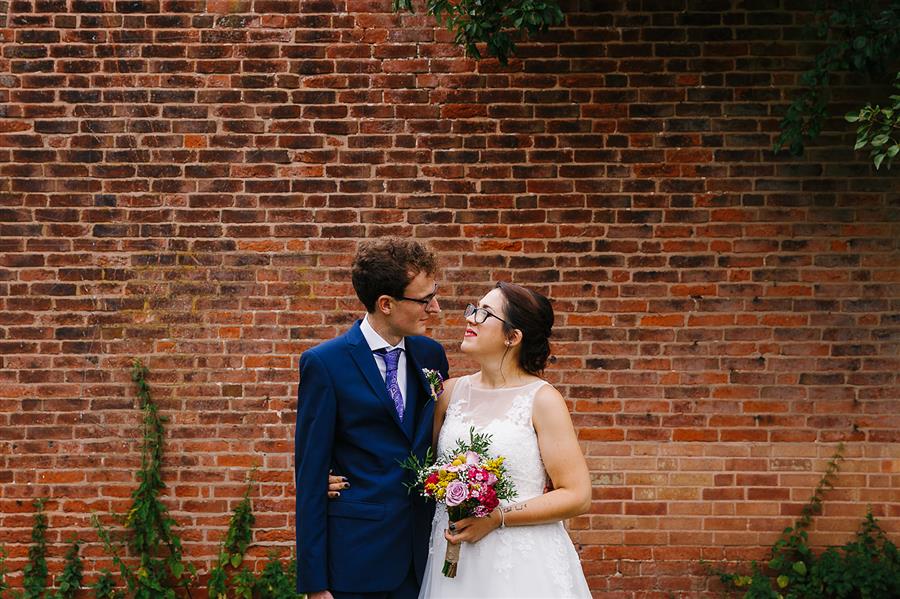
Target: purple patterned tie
x,y
391,360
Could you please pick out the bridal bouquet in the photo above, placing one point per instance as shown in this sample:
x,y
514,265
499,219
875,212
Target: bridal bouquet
x,y
467,480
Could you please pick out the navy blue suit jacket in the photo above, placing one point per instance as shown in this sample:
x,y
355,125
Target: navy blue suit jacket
x,y
367,539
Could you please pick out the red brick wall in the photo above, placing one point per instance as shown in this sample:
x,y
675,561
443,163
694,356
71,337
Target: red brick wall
x,y
186,181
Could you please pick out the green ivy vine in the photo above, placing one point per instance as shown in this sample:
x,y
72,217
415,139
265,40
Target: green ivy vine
x,y
3,572
859,36
495,23
151,536
868,567
70,580
879,129
105,587
231,554
34,583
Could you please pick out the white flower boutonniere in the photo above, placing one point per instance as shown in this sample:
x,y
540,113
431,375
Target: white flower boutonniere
x,y
435,382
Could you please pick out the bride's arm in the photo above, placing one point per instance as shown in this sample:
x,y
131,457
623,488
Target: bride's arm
x,y
440,410
571,494
564,462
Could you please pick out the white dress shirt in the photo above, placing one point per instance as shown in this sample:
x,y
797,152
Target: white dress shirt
x,y
375,342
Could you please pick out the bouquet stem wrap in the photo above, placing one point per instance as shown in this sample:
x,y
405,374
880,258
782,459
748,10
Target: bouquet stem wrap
x,y
451,556
451,560
467,480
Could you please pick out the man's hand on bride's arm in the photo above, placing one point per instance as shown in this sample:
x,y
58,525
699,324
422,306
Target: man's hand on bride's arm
x,y
320,595
472,530
336,484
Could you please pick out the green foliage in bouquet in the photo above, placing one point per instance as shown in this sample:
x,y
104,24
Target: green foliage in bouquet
x,y
879,129
418,468
480,443
494,23
151,537
858,36
867,567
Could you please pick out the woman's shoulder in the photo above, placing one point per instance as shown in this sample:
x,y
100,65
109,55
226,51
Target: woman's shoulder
x,y
548,397
453,381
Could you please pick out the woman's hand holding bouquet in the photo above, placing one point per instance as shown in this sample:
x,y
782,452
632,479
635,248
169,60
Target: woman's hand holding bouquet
x,y
468,481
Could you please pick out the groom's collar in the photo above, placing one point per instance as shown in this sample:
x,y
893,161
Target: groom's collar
x,y
375,340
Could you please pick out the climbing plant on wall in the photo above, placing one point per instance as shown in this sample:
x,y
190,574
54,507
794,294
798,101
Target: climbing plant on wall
x,y
858,36
494,23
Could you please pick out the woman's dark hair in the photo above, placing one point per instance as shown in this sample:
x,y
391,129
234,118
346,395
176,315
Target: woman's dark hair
x,y
386,266
531,313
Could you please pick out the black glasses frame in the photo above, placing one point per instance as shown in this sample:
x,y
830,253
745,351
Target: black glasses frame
x,y
474,310
424,301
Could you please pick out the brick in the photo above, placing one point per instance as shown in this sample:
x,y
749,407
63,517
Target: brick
x,y
720,311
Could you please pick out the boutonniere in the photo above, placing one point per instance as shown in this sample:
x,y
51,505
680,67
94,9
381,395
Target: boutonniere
x,y
435,382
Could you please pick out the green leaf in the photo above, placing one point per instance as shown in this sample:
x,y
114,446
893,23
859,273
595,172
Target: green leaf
x,y
783,581
799,568
878,160
236,560
851,117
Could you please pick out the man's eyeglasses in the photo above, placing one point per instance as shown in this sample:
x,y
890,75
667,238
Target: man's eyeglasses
x,y
481,314
424,300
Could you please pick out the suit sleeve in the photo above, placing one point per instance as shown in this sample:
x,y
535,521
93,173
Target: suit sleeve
x,y
314,438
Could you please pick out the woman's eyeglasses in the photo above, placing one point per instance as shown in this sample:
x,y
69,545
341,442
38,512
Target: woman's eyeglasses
x,y
481,314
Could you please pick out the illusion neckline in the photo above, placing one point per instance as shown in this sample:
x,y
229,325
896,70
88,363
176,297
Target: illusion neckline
x,y
474,386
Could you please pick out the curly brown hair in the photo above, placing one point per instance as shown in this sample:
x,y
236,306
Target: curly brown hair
x,y
386,266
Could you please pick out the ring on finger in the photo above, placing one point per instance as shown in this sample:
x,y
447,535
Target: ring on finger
x,y
453,527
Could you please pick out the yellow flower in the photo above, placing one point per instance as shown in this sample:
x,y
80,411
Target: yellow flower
x,y
494,465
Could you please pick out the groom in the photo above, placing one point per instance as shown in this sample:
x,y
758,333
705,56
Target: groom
x,y
363,405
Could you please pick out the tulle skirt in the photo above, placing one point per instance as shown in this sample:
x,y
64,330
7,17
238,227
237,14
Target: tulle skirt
x,y
518,562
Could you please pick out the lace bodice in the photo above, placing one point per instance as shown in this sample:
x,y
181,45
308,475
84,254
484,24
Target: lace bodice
x,y
519,562
505,414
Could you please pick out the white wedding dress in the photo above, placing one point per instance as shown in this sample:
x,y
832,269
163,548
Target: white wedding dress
x,y
519,561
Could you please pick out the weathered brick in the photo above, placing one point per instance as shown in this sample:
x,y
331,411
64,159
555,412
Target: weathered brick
x,y
188,185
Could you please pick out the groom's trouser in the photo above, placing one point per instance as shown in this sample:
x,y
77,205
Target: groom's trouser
x,y
408,589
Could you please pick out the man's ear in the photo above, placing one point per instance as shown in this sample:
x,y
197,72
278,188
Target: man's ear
x,y
383,304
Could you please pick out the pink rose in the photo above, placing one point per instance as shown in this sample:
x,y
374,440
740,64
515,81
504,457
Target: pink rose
x,y
456,493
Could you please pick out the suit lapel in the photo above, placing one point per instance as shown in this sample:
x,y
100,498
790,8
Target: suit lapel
x,y
362,356
422,392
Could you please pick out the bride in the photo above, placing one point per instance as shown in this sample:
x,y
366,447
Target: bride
x,y
521,549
